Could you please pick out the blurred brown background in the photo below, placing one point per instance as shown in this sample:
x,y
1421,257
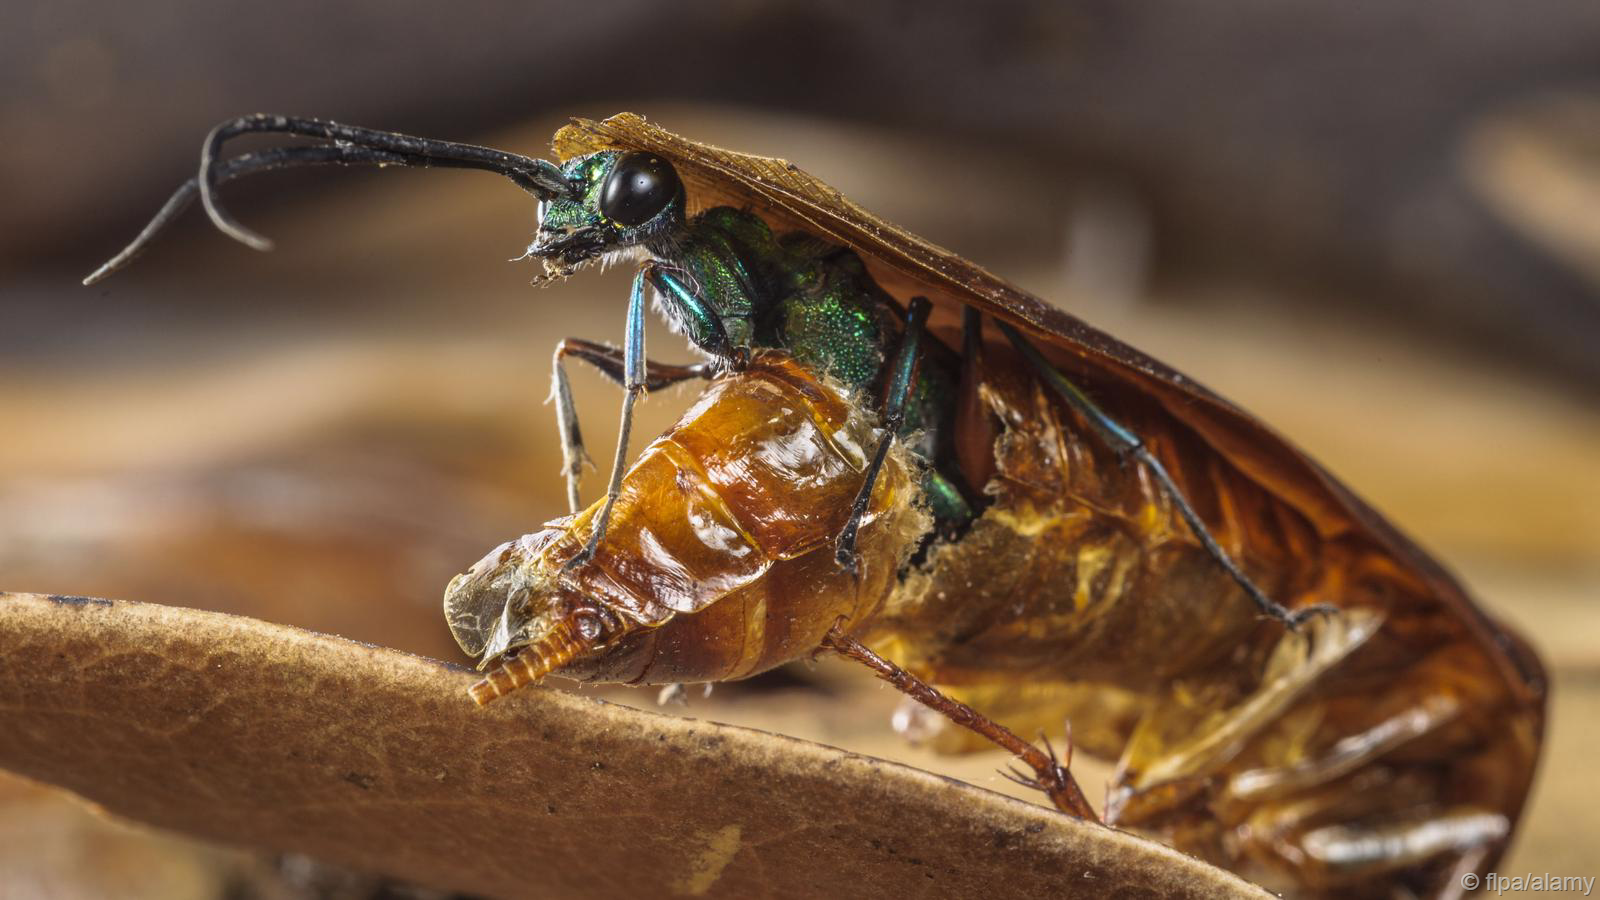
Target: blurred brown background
x,y
1371,225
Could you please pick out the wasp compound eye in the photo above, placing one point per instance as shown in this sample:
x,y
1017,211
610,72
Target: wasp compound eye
x,y
641,185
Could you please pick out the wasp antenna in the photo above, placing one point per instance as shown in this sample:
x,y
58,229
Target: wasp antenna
x,y
177,203
345,145
228,170
208,183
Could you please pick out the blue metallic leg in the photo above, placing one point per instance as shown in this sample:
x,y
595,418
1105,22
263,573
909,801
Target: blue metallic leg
x,y
611,363
633,383
902,379
703,322
1128,445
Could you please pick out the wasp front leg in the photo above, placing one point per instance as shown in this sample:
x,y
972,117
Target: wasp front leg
x,y
610,362
635,380
633,384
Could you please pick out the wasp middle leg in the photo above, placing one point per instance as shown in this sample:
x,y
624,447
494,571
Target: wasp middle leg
x,y
902,378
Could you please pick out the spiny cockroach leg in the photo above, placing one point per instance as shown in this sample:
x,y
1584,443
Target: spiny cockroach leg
x,y
1049,775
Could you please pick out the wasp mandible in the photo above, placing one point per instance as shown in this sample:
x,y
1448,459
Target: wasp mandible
x,y
900,457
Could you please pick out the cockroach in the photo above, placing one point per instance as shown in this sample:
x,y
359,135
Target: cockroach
x,y
904,459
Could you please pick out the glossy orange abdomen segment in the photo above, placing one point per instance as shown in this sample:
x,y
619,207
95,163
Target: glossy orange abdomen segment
x,y
720,546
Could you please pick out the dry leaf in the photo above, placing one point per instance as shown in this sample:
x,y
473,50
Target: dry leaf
x,y
252,733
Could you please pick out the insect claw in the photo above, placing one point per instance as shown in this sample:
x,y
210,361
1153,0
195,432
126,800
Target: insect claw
x,y
1293,619
847,558
1320,609
574,467
1011,773
580,558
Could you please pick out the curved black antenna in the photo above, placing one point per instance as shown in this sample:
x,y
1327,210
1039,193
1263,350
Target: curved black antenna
x,y
228,170
350,146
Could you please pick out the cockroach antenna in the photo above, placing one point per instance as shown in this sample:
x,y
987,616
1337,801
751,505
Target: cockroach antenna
x,y
345,146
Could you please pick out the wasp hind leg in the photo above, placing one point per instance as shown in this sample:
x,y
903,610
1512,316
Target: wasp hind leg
x,y
1128,445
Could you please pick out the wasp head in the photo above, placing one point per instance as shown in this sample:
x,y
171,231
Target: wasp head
x,y
617,201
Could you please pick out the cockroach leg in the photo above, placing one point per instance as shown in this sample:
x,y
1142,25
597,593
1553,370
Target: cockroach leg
x,y
1128,445
902,379
976,426
1049,775
611,363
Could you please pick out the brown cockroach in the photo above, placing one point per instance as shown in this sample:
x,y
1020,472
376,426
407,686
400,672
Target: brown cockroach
x,y
1375,734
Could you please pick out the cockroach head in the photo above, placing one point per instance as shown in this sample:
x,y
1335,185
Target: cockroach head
x,y
512,613
617,201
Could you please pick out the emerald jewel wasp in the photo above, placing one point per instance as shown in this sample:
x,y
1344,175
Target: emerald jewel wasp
x,y
902,458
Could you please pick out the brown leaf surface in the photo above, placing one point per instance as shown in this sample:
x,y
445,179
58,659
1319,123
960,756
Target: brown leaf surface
x,y
259,734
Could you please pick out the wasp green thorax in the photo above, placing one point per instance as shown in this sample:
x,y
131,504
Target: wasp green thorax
x,y
726,282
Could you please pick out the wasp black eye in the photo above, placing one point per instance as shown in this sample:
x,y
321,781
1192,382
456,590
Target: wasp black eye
x,y
641,185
